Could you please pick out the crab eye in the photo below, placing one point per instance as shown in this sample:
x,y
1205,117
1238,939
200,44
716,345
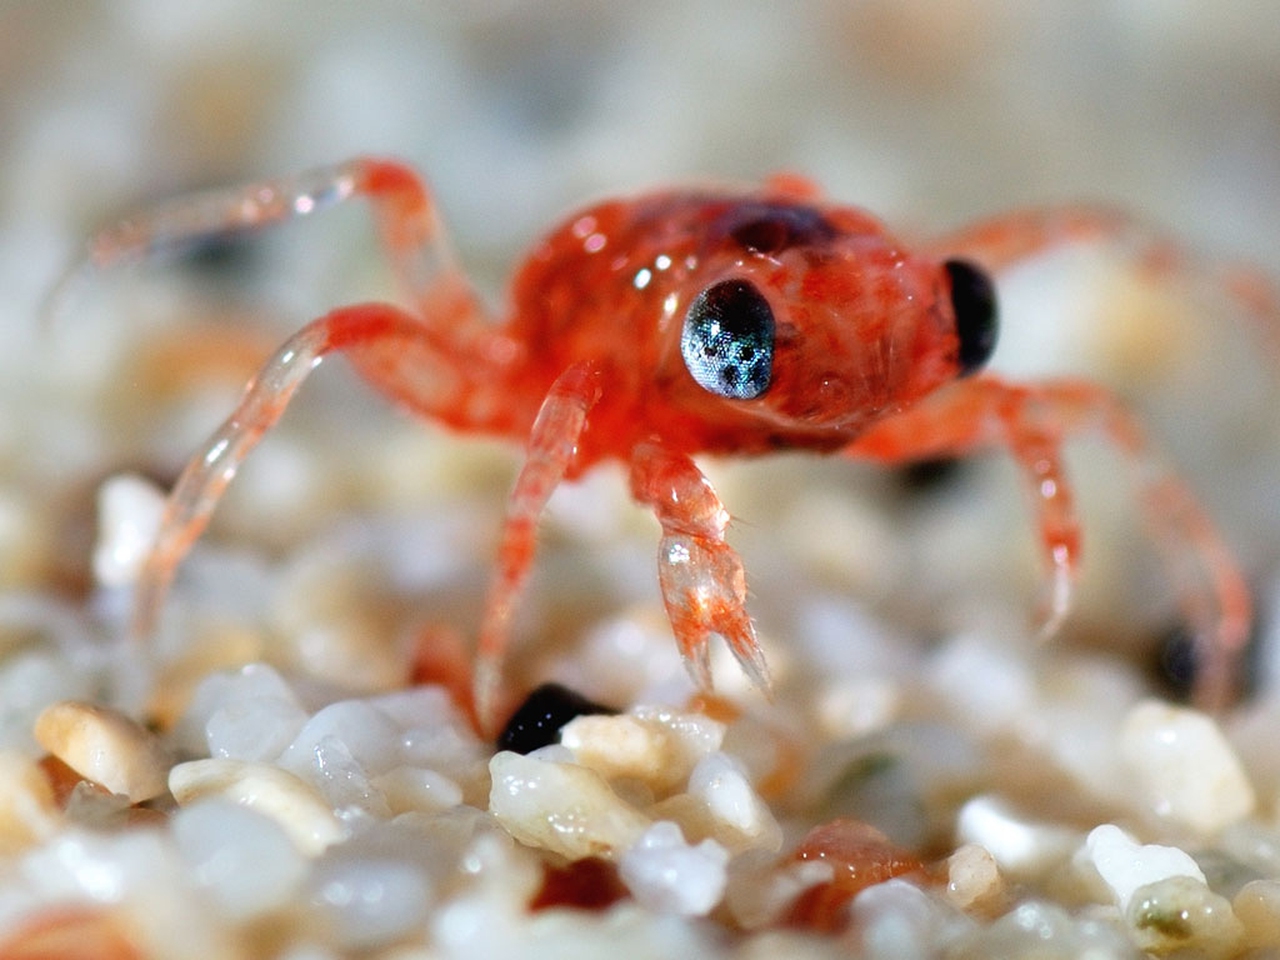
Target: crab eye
x,y
973,298
727,341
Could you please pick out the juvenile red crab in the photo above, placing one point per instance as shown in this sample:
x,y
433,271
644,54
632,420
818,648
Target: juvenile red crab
x,y
676,323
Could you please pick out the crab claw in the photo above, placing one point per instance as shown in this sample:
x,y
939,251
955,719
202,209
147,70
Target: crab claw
x,y
704,588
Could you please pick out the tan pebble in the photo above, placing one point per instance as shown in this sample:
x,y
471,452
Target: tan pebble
x,y
28,807
278,794
973,878
658,747
620,746
105,747
1257,906
215,647
413,788
1180,915
27,525
341,634
561,807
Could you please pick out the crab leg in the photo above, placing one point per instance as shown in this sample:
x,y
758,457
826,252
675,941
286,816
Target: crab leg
x,y
1032,422
553,443
364,332
703,583
1003,240
404,210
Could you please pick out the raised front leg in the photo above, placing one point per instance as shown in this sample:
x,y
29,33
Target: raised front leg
x,y
1032,422
703,583
403,207
552,445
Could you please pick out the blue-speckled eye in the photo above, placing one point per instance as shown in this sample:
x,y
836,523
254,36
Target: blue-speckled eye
x,y
727,341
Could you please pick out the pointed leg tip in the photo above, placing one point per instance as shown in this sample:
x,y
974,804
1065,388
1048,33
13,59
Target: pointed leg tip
x,y
1056,602
697,661
485,693
752,661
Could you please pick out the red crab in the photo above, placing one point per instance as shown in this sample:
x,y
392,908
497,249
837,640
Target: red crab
x,y
679,322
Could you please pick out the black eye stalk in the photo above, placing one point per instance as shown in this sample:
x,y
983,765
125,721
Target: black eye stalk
x,y
727,341
973,298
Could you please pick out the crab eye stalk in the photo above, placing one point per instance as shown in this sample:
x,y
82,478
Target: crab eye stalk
x,y
973,298
727,340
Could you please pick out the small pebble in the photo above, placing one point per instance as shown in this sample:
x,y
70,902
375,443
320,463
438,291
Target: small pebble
x,y
658,748
370,902
973,879
256,728
670,876
105,747
1039,930
1017,845
740,820
249,713
278,794
1125,865
413,788
367,733
1182,915
1185,767
561,807
895,919
28,810
417,707
1257,907
129,511
243,859
140,875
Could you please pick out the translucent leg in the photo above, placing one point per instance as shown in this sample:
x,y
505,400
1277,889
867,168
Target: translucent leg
x,y
1003,240
353,330
1032,422
703,583
552,444
403,206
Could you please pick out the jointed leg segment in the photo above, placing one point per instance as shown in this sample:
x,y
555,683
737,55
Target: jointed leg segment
x,y
552,444
403,209
396,350
355,331
1032,422
702,579
1213,590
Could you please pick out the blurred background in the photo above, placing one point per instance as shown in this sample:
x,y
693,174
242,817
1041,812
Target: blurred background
x,y
928,112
